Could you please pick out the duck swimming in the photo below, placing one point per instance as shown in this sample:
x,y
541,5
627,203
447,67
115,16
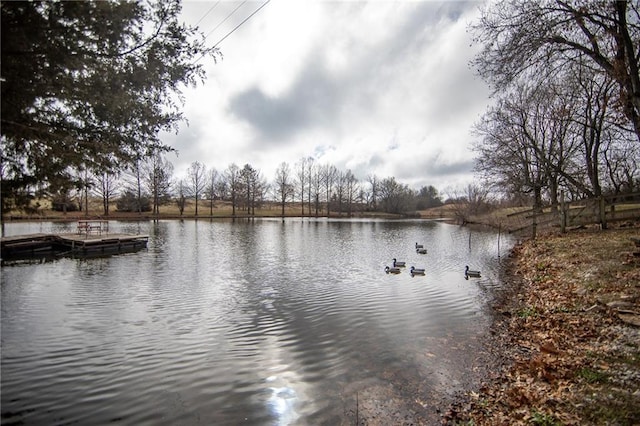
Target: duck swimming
x,y
393,270
417,271
397,264
471,273
421,250
419,246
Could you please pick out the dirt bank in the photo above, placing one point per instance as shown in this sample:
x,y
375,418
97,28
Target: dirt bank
x,y
566,335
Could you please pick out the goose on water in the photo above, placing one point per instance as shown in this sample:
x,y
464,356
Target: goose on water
x,y
417,271
419,246
421,250
393,270
470,272
397,264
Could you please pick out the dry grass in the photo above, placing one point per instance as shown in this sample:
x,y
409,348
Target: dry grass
x,y
221,209
447,211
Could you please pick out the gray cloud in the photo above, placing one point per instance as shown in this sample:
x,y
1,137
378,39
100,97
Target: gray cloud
x,y
309,103
377,93
318,97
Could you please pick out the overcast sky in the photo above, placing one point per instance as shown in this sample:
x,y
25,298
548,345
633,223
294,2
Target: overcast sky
x,y
381,87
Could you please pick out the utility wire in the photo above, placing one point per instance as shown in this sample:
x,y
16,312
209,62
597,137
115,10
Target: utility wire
x,y
235,28
208,11
223,21
240,24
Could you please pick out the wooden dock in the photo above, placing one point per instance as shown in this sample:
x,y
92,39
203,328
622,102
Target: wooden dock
x,y
84,244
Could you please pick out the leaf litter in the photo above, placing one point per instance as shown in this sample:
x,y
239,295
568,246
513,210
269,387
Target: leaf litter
x,y
567,332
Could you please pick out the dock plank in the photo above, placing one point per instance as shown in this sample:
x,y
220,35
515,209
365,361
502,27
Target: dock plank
x,y
72,243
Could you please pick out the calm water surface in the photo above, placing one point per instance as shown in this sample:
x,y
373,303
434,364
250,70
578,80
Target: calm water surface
x,y
259,322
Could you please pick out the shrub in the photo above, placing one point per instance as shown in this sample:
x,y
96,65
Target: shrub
x,y
61,205
129,203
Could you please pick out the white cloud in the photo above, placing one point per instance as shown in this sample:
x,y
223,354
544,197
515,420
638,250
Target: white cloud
x,y
380,88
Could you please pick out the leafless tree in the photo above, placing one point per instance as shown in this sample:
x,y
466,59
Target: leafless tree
x,y
311,167
340,189
283,186
107,185
181,195
622,166
133,181
232,181
329,176
157,174
472,200
317,186
351,190
197,181
212,188
302,174
374,182
525,144
85,183
522,38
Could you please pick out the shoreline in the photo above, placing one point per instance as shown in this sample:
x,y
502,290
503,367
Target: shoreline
x,y
18,219
565,333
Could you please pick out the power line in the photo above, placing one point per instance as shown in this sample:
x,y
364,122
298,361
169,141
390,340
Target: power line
x,y
235,28
208,11
240,24
223,21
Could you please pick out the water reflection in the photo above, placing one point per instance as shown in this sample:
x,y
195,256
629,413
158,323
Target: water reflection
x,y
248,321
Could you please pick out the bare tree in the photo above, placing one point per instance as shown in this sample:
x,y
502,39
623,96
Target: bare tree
x,y
107,189
374,182
260,190
302,174
622,166
310,170
197,179
474,199
316,185
525,143
85,182
351,190
212,188
329,176
340,190
181,195
138,183
157,174
232,179
132,177
521,38
283,185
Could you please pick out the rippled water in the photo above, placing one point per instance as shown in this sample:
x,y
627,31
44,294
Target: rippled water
x,y
246,321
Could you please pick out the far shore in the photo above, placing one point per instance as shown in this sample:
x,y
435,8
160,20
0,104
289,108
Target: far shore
x,y
51,216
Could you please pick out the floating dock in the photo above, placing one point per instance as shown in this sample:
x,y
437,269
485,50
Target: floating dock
x,y
83,244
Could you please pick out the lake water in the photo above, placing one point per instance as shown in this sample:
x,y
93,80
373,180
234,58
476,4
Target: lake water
x,y
257,322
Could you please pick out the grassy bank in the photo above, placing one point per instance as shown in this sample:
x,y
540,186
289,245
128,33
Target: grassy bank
x,y
568,333
220,209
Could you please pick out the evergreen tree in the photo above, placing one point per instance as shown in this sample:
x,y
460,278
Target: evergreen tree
x,y
89,85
